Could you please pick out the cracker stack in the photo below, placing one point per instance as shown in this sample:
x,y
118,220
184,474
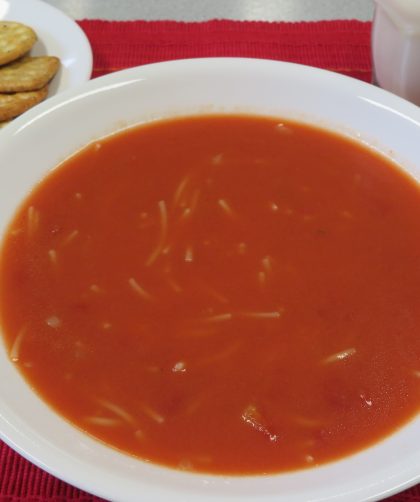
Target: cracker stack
x,y
23,79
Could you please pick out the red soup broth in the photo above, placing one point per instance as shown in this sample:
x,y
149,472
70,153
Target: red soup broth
x,y
225,294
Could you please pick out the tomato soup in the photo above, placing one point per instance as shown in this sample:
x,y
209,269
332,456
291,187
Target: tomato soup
x,y
224,294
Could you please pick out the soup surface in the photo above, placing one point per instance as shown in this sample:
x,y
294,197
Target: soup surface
x,y
227,294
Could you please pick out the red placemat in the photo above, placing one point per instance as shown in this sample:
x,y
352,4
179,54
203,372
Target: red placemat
x,y
342,46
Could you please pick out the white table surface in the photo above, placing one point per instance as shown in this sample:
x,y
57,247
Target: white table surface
x,y
197,10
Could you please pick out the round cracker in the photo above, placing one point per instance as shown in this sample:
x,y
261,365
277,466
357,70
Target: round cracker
x,y
16,39
28,73
12,105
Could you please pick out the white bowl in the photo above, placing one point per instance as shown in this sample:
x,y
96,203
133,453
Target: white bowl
x,y
37,142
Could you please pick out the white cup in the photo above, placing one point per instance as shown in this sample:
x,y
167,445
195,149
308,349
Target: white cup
x,y
396,47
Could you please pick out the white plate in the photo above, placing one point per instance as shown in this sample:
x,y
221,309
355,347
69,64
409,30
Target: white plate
x,y
58,35
141,94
